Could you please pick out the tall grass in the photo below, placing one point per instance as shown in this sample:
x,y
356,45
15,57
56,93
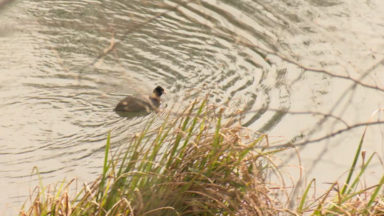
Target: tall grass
x,y
348,199
199,163
194,164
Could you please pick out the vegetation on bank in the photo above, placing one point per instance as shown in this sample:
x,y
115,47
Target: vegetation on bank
x,y
199,163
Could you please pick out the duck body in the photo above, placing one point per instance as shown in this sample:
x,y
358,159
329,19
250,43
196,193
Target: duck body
x,y
137,104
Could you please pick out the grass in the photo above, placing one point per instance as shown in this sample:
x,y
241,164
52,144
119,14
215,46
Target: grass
x,y
198,163
348,199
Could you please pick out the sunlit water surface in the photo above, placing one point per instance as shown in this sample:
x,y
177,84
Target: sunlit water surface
x,y
56,99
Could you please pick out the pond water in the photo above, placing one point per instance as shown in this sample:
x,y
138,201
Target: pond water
x,y
299,69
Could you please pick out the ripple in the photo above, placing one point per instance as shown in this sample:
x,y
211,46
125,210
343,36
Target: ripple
x,y
56,115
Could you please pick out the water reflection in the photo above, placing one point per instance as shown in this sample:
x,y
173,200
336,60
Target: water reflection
x,y
65,64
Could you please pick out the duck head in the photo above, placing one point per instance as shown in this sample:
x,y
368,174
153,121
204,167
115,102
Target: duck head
x,y
158,91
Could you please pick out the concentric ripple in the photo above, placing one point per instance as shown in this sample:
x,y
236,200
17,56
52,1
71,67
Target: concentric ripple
x,y
65,64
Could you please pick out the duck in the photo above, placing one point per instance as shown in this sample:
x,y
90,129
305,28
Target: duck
x,y
135,104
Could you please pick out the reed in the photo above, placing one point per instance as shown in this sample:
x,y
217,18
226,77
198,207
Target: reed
x,y
199,163
348,199
194,164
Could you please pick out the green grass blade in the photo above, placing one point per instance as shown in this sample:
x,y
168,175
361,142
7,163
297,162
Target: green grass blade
x,y
251,146
184,122
353,166
376,192
304,197
105,167
217,138
357,179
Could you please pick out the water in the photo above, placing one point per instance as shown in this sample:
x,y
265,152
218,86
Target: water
x,y
57,99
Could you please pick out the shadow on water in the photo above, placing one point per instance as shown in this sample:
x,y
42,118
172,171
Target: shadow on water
x,y
130,115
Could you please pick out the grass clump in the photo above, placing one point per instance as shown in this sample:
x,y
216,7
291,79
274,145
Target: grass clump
x,y
348,199
199,163
193,164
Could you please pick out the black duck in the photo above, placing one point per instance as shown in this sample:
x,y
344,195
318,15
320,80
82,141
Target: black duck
x,y
137,104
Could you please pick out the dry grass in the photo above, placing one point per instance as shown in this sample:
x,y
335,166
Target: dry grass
x,y
191,165
195,164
